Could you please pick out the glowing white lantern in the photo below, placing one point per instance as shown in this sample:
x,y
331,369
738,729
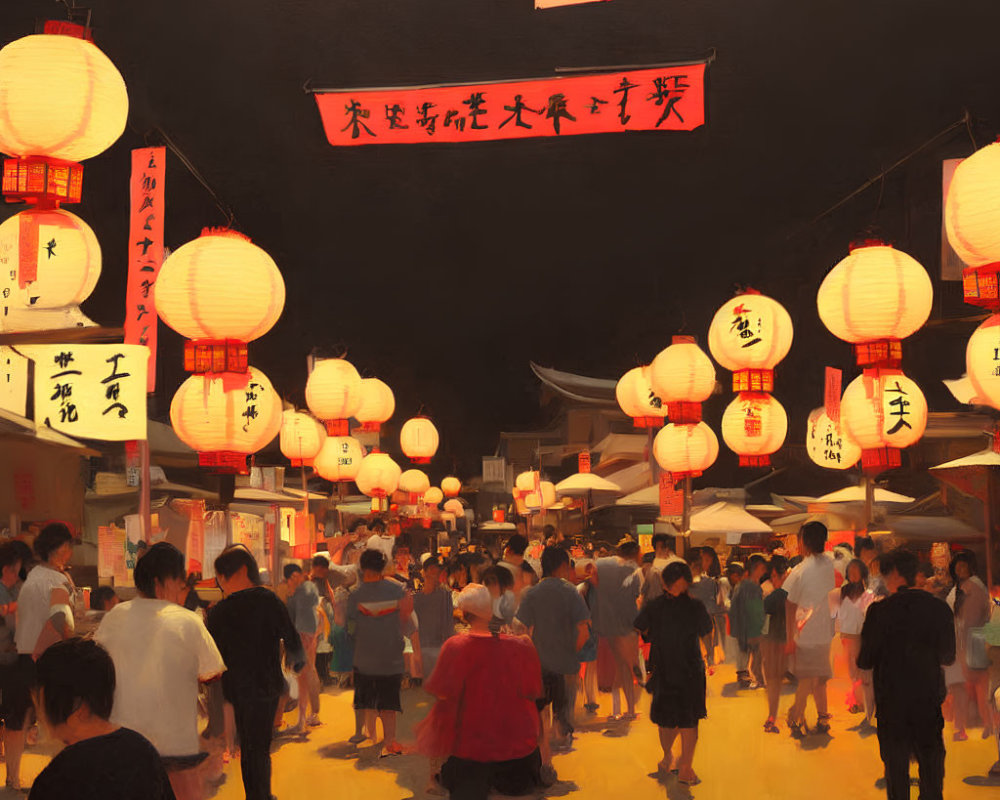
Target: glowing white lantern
x,y
300,438
377,404
415,483
971,212
544,498
379,475
526,481
638,400
220,287
226,421
873,298
418,439
433,496
451,486
455,507
52,259
62,98
982,362
883,414
828,444
749,335
683,377
339,459
684,450
754,426
333,393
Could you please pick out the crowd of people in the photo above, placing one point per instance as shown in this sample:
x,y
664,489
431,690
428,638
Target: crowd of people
x,y
153,696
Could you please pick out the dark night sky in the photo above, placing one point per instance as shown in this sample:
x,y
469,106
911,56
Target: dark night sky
x,y
445,268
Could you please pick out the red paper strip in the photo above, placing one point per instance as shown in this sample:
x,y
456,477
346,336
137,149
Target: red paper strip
x,y
671,498
831,397
657,99
145,250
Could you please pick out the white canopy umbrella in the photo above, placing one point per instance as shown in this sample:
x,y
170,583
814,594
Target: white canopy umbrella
x,y
856,494
724,519
984,458
649,496
582,483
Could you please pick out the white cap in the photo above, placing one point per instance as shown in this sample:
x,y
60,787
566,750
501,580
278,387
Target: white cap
x,y
477,600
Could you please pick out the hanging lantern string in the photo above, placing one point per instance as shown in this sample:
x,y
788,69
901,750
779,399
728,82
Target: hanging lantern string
x,y
75,13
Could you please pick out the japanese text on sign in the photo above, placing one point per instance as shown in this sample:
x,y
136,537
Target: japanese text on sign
x,y
657,99
145,250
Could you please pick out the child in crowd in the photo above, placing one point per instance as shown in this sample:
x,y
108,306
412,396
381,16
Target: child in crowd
x,y
772,646
746,620
849,605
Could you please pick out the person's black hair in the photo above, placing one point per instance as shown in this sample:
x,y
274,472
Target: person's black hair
x,y
517,544
193,579
926,568
433,561
27,557
904,562
372,560
674,571
353,527
158,563
553,559
814,536
648,558
548,530
290,569
962,557
501,575
100,596
754,560
377,525
74,672
529,571
715,568
321,561
778,564
794,561
53,536
734,568
692,556
661,538
9,555
628,549
863,543
849,590
776,544
230,560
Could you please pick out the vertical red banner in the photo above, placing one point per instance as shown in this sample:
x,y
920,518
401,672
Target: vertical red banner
x,y
671,498
145,250
831,399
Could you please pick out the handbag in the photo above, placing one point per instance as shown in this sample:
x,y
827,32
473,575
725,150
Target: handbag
x,y
975,650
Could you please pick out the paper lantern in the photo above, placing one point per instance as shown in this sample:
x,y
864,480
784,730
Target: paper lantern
x,y
376,406
828,444
226,421
982,362
544,498
221,291
683,377
749,335
339,459
415,483
455,507
433,496
62,98
638,400
333,394
754,427
451,486
873,298
418,439
300,438
379,475
883,414
526,481
55,258
971,212
685,450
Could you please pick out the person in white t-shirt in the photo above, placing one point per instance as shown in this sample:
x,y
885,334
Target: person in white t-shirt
x,y
161,652
809,627
663,554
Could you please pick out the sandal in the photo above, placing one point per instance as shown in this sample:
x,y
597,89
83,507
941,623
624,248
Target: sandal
x,y
771,726
392,749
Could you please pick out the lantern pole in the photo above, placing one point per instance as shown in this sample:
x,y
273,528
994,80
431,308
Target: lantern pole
x,y
869,485
305,510
145,508
686,517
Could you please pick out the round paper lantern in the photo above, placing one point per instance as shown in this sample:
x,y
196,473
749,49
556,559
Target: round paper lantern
x,y
525,481
749,335
876,294
339,459
379,475
451,486
62,98
683,377
301,437
544,498
685,449
220,287
754,426
415,483
418,439
638,400
225,423
61,261
433,496
333,393
971,213
982,362
455,507
828,444
883,414
376,406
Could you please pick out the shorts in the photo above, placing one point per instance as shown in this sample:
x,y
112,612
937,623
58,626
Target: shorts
x,y
16,681
377,692
813,661
553,691
476,779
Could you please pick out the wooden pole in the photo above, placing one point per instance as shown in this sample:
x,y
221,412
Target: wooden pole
x,y
145,507
305,511
686,518
869,484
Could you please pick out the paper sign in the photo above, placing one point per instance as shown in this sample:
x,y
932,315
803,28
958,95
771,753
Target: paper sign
x,y
216,531
195,542
656,99
831,394
145,250
13,381
248,530
93,391
111,552
671,498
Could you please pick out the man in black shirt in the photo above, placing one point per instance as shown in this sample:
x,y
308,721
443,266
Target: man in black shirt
x,y
76,690
248,625
906,639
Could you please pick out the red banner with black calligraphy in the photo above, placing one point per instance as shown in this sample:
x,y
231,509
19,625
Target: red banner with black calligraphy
x,y
145,250
670,98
